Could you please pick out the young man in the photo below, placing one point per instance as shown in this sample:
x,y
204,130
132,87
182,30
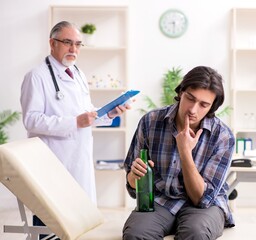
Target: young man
x,y
190,150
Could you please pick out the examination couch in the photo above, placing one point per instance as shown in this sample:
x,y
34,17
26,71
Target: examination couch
x,y
30,170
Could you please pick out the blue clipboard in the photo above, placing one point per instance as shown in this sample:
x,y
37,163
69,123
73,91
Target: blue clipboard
x,y
118,101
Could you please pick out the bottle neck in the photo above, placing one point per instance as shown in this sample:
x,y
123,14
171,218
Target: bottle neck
x,y
144,155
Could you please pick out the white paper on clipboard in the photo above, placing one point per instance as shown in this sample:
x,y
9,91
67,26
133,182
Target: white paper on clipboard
x,y
118,101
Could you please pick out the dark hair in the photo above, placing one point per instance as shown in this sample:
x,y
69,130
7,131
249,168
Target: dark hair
x,y
205,78
59,26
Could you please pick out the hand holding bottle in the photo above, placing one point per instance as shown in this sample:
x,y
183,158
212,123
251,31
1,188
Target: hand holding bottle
x,y
138,170
144,184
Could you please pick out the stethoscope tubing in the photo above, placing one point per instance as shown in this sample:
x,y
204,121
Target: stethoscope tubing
x,y
59,94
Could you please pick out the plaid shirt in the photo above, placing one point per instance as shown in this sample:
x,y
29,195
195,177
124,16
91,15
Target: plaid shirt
x,y
212,156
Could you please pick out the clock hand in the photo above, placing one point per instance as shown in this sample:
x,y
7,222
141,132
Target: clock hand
x,y
173,26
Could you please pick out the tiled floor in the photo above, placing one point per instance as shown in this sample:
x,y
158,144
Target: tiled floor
x,y
9,215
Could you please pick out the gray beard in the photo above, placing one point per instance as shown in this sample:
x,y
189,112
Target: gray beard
x,y
68,63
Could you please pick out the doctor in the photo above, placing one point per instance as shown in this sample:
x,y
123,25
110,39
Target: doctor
x,y
60,112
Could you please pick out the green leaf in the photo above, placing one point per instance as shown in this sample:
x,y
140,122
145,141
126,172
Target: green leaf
x,y
150,105
171,80
7,118
88,28
226,111
3,137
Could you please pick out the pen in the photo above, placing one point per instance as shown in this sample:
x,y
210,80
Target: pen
x,y
89,111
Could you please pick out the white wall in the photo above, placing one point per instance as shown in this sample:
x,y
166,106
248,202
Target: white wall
x,y
24,44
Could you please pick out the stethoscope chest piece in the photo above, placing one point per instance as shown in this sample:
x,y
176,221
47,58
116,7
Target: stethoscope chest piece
x,y
59,95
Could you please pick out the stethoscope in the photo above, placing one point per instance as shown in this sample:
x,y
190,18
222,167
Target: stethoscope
x,y
59,94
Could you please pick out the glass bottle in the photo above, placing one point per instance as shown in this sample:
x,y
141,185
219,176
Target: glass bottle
x,y
145,187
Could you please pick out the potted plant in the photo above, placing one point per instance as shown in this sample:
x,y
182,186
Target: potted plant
x,y
171,80
7,117
88,30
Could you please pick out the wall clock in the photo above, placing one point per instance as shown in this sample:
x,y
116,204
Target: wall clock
x,y
173,23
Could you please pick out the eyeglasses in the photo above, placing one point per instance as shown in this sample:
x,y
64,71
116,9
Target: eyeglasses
x,y
69,43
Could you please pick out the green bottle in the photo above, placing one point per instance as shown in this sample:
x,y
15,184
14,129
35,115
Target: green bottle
x,y
145,187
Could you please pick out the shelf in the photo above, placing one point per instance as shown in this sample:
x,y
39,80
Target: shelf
x,y
109,169
104,17
243,50
104,63
82,9
109,129
102,48
109,183
244,28
100,90
243,73
244,130
104,68
244,90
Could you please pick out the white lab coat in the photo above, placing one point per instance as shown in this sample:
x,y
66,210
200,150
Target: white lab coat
x,y
54,121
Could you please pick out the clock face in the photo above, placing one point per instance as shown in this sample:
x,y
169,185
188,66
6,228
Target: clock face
x,y
173,23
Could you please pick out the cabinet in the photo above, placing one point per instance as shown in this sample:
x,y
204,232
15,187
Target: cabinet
x,y
104,63
243,74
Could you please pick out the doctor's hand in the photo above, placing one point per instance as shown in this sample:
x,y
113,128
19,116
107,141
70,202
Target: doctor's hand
x,y
86,119
119,110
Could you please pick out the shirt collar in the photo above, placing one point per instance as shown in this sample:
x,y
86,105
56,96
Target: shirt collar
x,y
171,113
206,123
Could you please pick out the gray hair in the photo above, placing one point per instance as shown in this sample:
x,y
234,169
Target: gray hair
x,y
59,26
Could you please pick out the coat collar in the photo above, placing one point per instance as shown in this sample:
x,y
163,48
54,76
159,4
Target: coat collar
x,y
60,68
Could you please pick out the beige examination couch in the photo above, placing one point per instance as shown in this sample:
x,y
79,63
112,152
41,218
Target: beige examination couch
x,y
36,177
